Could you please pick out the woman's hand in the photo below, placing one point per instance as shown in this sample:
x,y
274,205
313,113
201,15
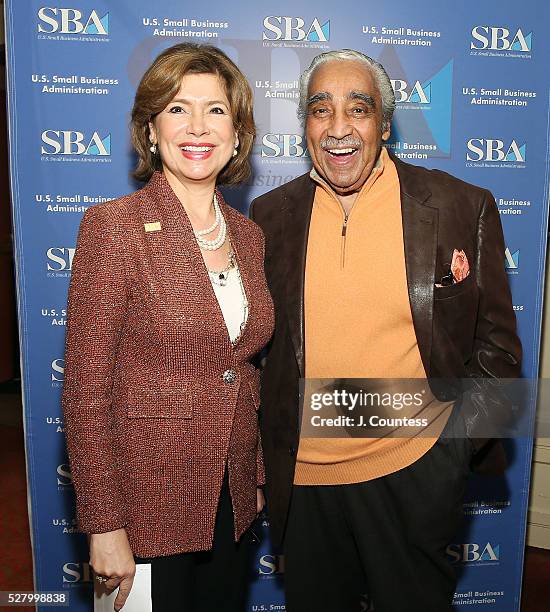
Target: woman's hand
x,y
260,500
111,557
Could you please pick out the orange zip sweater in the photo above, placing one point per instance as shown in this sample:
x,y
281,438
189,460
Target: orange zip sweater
x,y
358,323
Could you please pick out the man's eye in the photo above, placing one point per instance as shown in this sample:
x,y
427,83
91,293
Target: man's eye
x,y
359,110
319,111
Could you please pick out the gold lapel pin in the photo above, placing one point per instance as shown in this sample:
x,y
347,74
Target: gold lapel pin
x,y
152,227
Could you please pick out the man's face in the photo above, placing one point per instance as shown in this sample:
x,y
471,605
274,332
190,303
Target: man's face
x,y
344,123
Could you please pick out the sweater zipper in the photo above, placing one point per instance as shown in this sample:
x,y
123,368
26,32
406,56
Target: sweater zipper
x,y
344,233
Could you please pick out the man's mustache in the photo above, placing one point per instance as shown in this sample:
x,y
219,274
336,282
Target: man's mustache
x,y
343,143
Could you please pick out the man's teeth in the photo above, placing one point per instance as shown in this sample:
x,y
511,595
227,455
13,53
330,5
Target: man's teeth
x,y
196,149
341,151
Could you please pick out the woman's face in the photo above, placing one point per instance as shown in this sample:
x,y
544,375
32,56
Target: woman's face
x,y
194,134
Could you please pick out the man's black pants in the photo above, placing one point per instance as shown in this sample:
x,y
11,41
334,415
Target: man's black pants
x,y
386,537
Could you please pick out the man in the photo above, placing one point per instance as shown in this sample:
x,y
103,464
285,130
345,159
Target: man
x,y
377,269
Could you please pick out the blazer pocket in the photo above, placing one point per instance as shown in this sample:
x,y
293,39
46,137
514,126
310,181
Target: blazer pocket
x,y
160,403
450,291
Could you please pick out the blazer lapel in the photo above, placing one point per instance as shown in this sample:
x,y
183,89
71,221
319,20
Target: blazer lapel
x,y
420,224
176,258
295,218
161,204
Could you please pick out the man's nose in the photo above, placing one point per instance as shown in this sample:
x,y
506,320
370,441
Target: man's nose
x,y
340,126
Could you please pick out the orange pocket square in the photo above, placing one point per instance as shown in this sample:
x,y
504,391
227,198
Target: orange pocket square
x,y
460,268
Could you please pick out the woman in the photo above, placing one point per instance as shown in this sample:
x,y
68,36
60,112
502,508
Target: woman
x,y
167,306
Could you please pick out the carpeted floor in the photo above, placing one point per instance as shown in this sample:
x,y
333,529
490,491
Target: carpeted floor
x,y
16,559
14,527
536,581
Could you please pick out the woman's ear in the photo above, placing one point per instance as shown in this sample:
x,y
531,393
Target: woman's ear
x,y
152,133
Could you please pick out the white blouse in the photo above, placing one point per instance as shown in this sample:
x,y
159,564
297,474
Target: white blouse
x,y
232,300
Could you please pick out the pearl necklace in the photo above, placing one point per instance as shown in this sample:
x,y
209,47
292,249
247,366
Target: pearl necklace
x,y
217,220
218,241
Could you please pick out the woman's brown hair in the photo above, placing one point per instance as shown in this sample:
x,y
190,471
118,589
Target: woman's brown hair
x,y
162,81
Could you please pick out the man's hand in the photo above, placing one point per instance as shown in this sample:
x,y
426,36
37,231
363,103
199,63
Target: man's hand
x,y
111,557
260,500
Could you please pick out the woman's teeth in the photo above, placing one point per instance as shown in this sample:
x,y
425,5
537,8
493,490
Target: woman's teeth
x,y
196,149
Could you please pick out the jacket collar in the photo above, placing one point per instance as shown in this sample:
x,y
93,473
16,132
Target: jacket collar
x,y
420,225
175,248
296,215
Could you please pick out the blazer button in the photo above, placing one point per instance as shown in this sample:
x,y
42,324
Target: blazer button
x,y
291,451
229,376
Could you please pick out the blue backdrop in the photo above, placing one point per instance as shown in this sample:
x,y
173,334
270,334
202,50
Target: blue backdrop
x,y
472,90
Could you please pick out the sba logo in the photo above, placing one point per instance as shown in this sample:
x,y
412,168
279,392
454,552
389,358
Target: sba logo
x,y
418,94
72,21
64,478
500,39
511,260
473,553
271,564
60,259
66,142
283,145
58,370
292,28
76,573
493,150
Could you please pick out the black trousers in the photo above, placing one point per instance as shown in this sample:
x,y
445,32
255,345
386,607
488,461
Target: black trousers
x,y
379,545
205,581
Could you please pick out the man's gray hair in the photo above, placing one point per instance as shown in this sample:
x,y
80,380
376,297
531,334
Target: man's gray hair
x,y
381,79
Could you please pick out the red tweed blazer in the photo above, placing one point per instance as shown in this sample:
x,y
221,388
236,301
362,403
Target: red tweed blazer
x,y
157,400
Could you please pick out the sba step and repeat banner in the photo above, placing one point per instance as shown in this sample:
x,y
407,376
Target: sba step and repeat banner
x,y
472,99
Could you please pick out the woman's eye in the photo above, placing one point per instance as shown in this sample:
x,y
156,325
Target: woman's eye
x,y
217,110
176,109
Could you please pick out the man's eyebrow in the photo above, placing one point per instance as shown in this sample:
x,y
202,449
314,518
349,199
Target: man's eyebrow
x,y
357,95
322,96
